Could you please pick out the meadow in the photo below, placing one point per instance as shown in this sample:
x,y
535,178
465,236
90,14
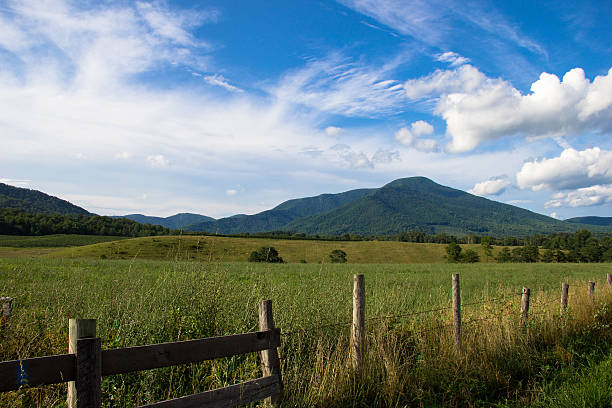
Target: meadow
x,y
234,249
410,361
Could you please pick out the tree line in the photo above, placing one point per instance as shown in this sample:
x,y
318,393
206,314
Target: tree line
x,y
19,222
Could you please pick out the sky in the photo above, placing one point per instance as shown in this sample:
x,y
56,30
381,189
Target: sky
x,y
227,107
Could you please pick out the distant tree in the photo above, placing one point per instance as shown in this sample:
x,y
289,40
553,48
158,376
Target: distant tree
x,y
337,256
487,248
265,254
607,256
548,256
504,255
453,252
469,256
560,256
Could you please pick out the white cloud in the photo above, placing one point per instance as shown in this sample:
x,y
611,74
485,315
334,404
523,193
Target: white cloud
x,y
157,161
572,169
231,192
123,156
554,215
385,156
333,131
478,109
583,197
452,58
15,183
339,86
491,187
219,80
411,137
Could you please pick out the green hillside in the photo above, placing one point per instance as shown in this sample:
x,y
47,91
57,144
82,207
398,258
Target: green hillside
x,y
34,201
417,203
278,217
601,221
176,221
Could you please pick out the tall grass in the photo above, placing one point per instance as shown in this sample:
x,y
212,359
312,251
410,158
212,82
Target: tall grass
x,y
410,361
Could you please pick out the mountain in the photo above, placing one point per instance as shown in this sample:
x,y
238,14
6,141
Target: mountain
x,y
417,203
176,221
278,217
601,221
34,201
408,204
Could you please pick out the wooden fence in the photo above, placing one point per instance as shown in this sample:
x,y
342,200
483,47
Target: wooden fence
x,y
86,364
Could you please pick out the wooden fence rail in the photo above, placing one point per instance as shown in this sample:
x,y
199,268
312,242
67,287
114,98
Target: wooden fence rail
x,y
87,363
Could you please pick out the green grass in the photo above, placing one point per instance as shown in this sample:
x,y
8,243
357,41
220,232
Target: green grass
x,y
142,302
53,241
229,249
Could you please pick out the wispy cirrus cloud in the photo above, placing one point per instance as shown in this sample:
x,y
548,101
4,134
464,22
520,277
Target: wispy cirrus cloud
x,y
339,85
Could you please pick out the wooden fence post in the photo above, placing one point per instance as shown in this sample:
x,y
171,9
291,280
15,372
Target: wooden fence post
x,y
7,306
610,279
457,310
591,291
78,329
564,293
270,363
525,305
358,329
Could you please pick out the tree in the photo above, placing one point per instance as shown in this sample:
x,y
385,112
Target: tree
x,y
453,252
548,256
266,254
487,248
337,256
469,256
504,255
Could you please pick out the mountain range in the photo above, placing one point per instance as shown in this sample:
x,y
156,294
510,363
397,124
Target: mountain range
x,y
407,204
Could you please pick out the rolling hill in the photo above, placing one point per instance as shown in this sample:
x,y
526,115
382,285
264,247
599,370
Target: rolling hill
x,y
278,217
601,221
176,221
34,201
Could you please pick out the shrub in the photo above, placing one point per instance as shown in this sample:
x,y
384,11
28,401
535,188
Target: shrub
x,y
453,252
469,256
337,256
265,254
504,255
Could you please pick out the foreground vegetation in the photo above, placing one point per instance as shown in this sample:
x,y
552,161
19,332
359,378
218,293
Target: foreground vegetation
x,y
410,360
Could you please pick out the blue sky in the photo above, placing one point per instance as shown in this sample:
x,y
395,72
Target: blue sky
x,y
225,107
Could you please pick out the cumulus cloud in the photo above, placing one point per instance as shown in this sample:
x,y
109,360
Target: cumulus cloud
x,y
411,137
385,156
452,58
231,192
491,187
157,161
572,169
477,108
583,197
333,131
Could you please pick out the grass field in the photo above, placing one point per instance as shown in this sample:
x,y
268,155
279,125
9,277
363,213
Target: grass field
x,y
229,249
142,302
53,241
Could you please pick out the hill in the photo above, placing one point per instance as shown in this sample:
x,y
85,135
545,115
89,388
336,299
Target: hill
x,y
278,217
408,204
417,203
177,221
601,221
34,201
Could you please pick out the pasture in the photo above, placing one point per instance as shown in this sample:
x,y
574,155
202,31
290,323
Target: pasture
x,y
410,361
232,249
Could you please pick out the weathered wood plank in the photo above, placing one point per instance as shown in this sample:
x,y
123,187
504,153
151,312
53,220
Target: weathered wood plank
x,y
125,360
232,396
37,371
77,329
88,373
270,363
